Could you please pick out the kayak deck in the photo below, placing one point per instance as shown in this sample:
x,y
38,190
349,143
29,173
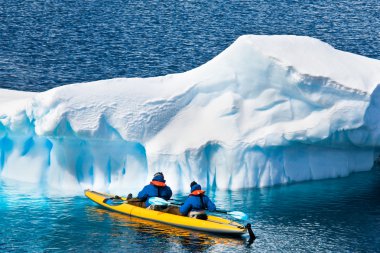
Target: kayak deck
x,y
213,224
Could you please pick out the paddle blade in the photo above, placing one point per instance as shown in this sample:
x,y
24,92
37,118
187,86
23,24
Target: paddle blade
x,y
238,215
158,201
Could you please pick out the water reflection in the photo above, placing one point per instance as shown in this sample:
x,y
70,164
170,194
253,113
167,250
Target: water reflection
x,y
168,236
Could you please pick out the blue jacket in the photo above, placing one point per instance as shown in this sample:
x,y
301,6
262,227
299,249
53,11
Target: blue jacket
x,y
194,201
156,188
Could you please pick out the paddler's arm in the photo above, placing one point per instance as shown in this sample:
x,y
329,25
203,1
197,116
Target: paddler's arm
x,y
210,205
143,194
185,208
167,194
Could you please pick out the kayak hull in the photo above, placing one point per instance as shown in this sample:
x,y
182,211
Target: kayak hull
x,y
213,224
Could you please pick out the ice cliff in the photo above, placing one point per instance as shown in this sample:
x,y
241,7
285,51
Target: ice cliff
x,y
268,110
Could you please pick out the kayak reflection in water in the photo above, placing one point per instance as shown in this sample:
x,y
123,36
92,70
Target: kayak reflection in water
x,y
196,204
156,188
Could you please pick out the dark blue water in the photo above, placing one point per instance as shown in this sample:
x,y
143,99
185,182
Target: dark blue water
x,y
336,215
48,43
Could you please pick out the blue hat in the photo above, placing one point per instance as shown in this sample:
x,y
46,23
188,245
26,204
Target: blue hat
x,y
159,177
195,186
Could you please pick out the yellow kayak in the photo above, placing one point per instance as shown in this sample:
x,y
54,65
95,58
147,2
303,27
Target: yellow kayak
x,y
213,224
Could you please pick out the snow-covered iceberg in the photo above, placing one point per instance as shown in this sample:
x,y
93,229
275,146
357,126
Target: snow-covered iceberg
x,y
268,110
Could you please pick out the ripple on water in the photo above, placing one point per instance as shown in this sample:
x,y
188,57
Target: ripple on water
x,y
48,44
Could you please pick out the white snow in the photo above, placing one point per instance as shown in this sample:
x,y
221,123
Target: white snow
x,y
268,110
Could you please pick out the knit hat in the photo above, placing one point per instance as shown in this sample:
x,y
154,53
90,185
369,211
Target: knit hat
x,y
158,174
159,177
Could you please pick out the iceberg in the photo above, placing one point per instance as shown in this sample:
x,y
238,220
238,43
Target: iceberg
x,y
268,110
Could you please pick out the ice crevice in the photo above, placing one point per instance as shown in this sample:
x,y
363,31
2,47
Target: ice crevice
x,y
254,116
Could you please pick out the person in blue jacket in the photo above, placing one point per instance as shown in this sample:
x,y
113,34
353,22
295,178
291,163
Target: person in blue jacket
x,y
156,188
196,204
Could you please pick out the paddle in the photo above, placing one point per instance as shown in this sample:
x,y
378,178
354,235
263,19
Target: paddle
x,y
158,201
161,202
236,214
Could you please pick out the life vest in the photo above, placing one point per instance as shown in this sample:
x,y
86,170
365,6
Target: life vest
x,y
158,183
197,193
200,194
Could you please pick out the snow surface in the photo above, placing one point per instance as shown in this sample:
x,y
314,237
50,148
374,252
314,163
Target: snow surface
x,y
268,110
